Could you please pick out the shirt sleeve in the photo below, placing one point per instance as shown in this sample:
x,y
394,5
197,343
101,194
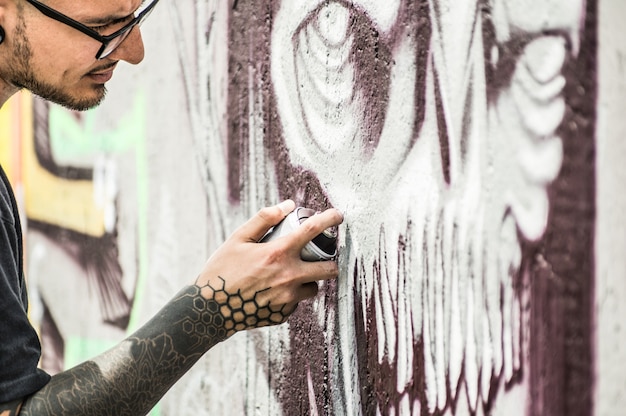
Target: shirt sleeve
x,y
20,348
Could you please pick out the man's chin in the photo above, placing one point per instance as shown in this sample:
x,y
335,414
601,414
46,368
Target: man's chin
x,y
77,103
82,100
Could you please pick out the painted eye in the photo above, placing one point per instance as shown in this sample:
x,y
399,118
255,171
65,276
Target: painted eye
x,y
333,70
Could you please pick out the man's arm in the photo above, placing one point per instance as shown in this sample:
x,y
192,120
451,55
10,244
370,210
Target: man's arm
x,y
243,285
130,378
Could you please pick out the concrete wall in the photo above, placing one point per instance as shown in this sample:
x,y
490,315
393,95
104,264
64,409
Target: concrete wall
x,y
475,148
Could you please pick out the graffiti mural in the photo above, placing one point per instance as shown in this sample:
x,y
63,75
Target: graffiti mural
x,y
71,207
438,131
456,137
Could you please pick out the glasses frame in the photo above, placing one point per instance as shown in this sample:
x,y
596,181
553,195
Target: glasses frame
x,y
104,39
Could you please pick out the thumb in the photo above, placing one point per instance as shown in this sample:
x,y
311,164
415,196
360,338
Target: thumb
x,y
286,207
256,227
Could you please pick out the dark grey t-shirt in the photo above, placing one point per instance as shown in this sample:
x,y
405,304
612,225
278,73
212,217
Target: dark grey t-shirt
x,y
19,345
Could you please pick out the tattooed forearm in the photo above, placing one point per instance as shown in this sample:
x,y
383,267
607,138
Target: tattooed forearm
x,y
130,378
241,314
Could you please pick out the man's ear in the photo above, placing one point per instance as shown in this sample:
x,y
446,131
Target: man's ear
x,y
5,7
8,15
2,20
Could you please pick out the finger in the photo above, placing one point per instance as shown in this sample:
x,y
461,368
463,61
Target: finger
x,y
290,309
313,271
315,225
256,227
285,312
307,291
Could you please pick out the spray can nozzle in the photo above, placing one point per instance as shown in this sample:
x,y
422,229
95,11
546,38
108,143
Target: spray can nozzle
x,y
322,247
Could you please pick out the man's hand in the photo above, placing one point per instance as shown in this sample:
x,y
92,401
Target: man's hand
x,y
261,284
244,285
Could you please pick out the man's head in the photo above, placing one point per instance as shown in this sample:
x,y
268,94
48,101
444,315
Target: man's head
x,y
51,47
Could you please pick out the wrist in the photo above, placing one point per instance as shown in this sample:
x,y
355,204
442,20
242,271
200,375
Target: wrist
x,y
235,312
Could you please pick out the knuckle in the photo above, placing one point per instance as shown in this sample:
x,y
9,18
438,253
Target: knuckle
x,y
338,215
276,255
310,227
267,213
331,268
284,296
292,296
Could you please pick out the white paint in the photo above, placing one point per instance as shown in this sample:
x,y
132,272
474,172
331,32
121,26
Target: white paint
x,y
105,189
511,155
325,139
311,392
535,16
610,239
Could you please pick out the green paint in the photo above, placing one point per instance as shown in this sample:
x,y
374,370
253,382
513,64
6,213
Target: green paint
x,y
79,350
141,163
75,137
79,138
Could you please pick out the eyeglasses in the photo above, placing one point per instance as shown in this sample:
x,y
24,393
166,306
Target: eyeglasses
x,y
109,42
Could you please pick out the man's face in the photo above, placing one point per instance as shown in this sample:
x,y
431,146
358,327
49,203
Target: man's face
x,y
57,62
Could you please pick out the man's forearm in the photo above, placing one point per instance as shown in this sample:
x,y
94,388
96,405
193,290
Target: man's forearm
x,y
130,378
262,285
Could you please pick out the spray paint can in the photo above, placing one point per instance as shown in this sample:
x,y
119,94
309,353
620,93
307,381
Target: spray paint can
x,y
322,247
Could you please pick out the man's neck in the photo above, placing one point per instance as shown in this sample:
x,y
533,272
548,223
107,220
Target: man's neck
x,y
7,90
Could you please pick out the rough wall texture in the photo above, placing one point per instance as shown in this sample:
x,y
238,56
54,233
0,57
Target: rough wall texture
x,y
481,262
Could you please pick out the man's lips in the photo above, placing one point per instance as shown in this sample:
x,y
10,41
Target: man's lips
x,y
101,76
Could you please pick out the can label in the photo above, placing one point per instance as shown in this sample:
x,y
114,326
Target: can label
x,y
322,247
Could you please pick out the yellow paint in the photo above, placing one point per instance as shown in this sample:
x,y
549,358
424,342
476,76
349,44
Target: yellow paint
x,y
66,203
8,145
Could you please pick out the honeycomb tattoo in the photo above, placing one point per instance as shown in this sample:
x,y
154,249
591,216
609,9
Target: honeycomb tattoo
x,y
220,314
143,367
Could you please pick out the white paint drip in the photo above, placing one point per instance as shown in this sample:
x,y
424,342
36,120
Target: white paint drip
x,y
457,295
311,391
105,189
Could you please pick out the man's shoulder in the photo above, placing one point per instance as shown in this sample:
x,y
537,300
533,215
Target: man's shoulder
x,y
6,199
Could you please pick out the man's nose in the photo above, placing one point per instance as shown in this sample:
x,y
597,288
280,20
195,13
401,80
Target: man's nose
x,y
131,49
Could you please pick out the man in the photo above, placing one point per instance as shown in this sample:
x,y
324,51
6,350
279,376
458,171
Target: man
x,y
66,51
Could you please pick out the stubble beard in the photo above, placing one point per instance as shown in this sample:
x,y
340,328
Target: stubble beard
x,y
23,77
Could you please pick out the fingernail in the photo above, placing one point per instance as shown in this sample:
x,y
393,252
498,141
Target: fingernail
x,y
287,206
